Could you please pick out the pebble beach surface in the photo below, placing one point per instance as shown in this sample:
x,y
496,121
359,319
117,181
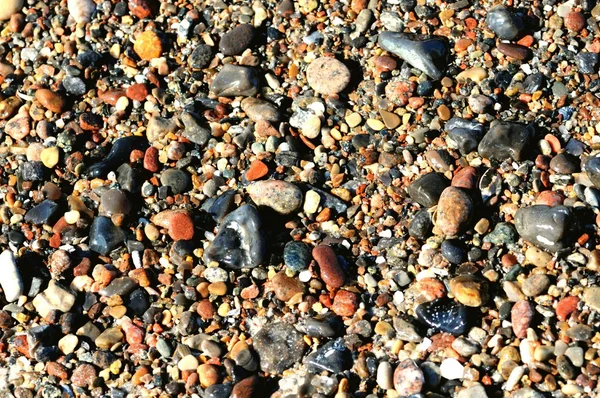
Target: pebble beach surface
x,y
299,198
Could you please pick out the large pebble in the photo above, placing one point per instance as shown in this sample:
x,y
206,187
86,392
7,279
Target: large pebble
x,y
10,7
11,282
504,141
331,272
444,315
282,196
237,40
105,236
454,211
327,76
233,81
469,290
239,242
428,54
502,21
258,109
427,189
408,378
545,226
521,316
279,346
81,10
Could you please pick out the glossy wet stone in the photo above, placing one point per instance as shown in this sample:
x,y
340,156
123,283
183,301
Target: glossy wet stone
x,y
105,236
504,141
42,213
119,287
296,256
119,154
592,169
465,133
178,180
426,53
408,378
544,226
427,189
444,315
504,22
234,81
332,357
239,242
420,225
469,290
115,201
222,205
279,346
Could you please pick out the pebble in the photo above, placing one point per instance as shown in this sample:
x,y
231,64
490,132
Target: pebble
x,y
238,244
385,379
521,317
279,346
331,357
544,226
11,282
9,8
454,211
281,196
50,100
504,22
469,290
179,224
330,270
408,378
105,236
50,156
257,110
591,297
427,189
327,76
504,140
535,285
451,369
296,256
201,56
234,81
237,40
148,45
425,54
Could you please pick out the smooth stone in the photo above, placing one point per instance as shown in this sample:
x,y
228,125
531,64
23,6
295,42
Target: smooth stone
x,y
43,213
565,368
81,10
118,155
115,201
592,169
282,196
521,316
57,296
332,357
129,178
469,290
426,53
105,236
453,251
515,51
279,346
406,331
108,338
408,378
222,205
444,315
9,8
504,141
119,287
257,109
420,225
327,75
533,83
239,242
178,180
330,271
451,369
237,40
544,226
385,378
454,211
564,163
427,189
11,281
502,21
392,21
218,391
591,297
158,128
476,391
201,56
296,256
465,133
535,285
465,347
503,233
234,81
194,130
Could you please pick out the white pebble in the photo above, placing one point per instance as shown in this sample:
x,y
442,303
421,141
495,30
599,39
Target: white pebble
x,y
81,10
451,369
11,281
384,376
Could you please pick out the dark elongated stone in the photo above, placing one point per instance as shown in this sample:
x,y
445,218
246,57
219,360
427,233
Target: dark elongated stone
x,y
427,189
118,155
444,315
545,226
239,242
426,53
105,236
119,287
504,141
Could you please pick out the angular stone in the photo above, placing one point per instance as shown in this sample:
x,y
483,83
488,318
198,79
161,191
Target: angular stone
x,y
332,357
279,347
426,53
105,236
239,242
465,133
43,213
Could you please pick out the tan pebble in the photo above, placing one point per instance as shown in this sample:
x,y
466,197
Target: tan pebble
x,y
50,157
353,119
391,120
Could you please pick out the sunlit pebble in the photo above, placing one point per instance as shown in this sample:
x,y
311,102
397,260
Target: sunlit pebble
x,y
81,10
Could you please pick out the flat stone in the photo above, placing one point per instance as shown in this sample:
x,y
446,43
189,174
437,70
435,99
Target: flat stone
x,y
426,53
258,109
237,40
545,226
279,347
444,315
42,213
233,81
194,130
108,338
327,75
502,21
283,197
427,189
105,236
504,141
469,290
332,357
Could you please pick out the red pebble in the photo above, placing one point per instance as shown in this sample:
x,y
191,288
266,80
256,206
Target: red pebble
x,y
151,159
345,303
565,307
331,273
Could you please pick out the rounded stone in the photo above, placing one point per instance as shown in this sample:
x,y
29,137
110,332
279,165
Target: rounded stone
x,y
331,272
148,45
282,196
327,76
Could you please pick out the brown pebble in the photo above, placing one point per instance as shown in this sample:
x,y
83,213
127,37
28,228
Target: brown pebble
x,y
521,316
331,273
345,303
574,21
50,100
514,51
